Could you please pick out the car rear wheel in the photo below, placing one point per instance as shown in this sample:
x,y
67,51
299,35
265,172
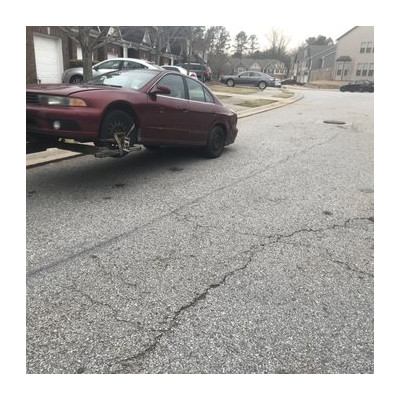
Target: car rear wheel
x,y
230,82
215,143
262,85
76,79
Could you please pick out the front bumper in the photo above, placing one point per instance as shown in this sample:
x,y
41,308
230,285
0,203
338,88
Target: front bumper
x,y
80,123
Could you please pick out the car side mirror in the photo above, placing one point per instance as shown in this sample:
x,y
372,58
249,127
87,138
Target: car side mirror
x,y
160,90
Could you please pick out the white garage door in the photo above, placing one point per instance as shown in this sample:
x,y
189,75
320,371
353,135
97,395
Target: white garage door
x,y
48,56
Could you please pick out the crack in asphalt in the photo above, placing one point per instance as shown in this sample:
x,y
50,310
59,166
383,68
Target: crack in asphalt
x,y
174,319
115,238
348,265
127,362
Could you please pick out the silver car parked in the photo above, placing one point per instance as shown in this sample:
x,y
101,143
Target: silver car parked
x,y
252,78
75,75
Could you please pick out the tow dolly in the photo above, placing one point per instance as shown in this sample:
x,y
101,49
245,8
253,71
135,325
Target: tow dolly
x,y
119,146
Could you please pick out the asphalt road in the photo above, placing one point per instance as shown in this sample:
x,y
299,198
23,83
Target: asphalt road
x,y
260,261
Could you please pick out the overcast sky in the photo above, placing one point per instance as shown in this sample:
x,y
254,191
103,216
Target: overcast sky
x,y
296,34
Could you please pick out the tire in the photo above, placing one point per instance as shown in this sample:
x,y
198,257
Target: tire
x,y
262,85
76,79
230,83
115,121
215,143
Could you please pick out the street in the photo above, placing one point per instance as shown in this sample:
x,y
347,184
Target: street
x,y
260,261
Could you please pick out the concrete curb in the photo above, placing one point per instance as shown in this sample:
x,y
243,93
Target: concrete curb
x,y
54,155
48,156
278,104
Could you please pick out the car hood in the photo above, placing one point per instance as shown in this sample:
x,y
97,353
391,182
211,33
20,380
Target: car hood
x,y
64,89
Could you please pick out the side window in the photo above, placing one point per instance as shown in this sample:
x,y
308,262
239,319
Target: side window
x,y
209,98
132,65
112,64
175,84
195,90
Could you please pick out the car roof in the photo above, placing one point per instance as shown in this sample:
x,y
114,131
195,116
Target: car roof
x,y
140,61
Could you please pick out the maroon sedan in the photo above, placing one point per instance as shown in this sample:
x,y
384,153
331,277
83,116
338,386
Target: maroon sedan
x,y
122,108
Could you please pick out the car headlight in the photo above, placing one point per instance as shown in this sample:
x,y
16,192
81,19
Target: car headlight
x,y
61,101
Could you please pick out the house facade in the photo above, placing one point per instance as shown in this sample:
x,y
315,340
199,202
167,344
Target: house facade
x,y
312,60
49,51
355,55
352,57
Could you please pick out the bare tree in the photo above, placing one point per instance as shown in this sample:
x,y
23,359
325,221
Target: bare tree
x,y
319,40
162,38
278,43
193,36
90,38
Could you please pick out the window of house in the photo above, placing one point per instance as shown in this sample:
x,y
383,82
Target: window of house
x,y
365,69
359,69
371,69
363,47
370,47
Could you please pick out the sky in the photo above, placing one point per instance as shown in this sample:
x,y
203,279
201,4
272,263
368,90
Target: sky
x,y
296,34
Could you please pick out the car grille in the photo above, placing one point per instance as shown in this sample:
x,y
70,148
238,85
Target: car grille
x,y
32,98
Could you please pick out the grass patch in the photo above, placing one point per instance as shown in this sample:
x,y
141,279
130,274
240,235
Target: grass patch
x,y
285,94
256,103
233,90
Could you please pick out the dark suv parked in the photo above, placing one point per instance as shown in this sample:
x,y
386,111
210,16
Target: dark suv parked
x,y
203,71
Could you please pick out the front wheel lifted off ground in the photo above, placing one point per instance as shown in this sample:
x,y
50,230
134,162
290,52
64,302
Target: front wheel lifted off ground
x,y
215,143
115,121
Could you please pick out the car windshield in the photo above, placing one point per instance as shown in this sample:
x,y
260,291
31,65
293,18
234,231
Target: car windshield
x,y
132,79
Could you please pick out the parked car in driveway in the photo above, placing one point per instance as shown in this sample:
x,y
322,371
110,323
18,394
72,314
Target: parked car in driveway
x,y
122,108
252,78
181,70
202,71
360,85
75,75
